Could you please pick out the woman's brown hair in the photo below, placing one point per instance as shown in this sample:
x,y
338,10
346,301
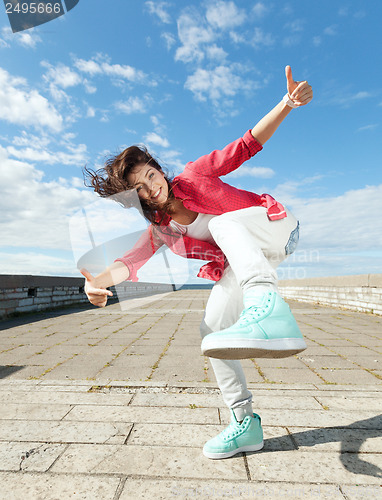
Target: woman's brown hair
x,y
112,179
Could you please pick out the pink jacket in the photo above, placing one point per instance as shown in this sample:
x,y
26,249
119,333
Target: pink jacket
x,y
200,188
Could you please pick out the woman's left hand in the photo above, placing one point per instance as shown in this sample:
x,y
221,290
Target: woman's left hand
x,y
299,92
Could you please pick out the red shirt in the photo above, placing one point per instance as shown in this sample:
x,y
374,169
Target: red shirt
x,y
201,190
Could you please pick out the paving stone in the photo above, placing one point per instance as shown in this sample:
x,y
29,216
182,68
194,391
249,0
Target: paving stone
x,y
64,432
319,418
25,411
321,467
338,439
127,437
359,492
147,461
290,375
178,400
58,397
245,490
327,362
29,456
15,486
368,362
353,377
351,402
138,414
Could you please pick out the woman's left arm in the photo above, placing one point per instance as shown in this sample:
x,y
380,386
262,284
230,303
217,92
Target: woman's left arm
x,y
299,93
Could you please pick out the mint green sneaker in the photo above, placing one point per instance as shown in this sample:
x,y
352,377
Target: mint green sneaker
x,y
247,436
266,329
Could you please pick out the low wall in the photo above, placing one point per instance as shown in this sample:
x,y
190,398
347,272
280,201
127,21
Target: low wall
x,y
25,293
361,292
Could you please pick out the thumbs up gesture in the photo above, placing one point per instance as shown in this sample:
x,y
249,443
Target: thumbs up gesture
x,y
299,92
97,296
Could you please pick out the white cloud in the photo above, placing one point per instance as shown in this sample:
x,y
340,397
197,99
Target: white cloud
x,y
259,9
154,138
25,39
217,83
61,75
90,112
124,71
345,98
193,36
40,264
77,156
132,105
3,44
259,172
331,30
348,222
22,106
256,38
261,39
172,158
295,26
35,213
372,126
159,10
169,39
216,54
225,15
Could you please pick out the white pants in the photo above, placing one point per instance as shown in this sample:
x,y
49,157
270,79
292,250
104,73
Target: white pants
x,y
254,247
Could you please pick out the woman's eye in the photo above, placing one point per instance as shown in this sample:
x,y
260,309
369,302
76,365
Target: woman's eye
x,y
151,175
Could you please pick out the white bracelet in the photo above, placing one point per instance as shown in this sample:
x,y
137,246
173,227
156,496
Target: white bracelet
x,y
288,101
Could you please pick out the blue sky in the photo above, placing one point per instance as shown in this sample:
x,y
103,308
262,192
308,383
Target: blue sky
x,y
186,78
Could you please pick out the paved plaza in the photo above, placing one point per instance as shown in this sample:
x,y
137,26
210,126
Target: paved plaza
x,y
116,403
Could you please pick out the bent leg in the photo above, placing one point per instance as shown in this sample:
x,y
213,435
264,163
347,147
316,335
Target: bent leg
x,y
253,245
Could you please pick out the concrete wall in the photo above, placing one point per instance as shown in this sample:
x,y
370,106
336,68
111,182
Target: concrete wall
x,y
25,293
361,292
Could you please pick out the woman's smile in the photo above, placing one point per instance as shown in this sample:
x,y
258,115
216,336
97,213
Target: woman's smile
x,y
156,194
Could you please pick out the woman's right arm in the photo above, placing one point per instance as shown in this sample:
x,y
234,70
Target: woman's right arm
x,y
96,286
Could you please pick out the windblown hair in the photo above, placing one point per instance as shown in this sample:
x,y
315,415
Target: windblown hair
x,y
112,179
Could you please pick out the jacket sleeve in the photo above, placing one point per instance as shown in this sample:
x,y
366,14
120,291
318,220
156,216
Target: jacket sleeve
x,y
141,252
222,162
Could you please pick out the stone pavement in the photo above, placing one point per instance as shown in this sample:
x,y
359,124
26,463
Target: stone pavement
x,y
117,403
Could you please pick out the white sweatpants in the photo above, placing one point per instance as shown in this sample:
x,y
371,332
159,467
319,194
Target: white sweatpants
x,y
254,247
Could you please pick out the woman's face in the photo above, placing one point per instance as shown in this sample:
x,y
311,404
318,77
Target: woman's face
x,y
150,184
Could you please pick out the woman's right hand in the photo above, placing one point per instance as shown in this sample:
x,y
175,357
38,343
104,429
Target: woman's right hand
x,y
97,296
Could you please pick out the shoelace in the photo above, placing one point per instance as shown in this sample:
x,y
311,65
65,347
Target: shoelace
x,y
230,431
250,313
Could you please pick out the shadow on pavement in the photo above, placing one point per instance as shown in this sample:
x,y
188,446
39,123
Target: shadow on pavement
x,y
32,317
351,438
6,371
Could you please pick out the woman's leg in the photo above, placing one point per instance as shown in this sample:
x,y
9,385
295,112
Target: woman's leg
x,y
223,309
253,244
254,247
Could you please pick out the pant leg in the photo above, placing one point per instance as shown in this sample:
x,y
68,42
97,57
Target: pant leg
x,y
253,244
223,309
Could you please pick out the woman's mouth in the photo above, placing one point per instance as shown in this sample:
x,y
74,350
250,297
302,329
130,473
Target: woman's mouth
x,y
156,194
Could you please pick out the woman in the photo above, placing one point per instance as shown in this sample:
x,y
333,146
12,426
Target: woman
x,y
245,237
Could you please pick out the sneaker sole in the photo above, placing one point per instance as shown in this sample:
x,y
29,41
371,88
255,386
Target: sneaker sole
x,y
244,349
228,454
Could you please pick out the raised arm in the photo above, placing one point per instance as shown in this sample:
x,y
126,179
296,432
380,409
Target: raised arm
x,y
299,93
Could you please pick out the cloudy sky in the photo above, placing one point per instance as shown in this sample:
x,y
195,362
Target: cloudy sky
x,y
186,78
